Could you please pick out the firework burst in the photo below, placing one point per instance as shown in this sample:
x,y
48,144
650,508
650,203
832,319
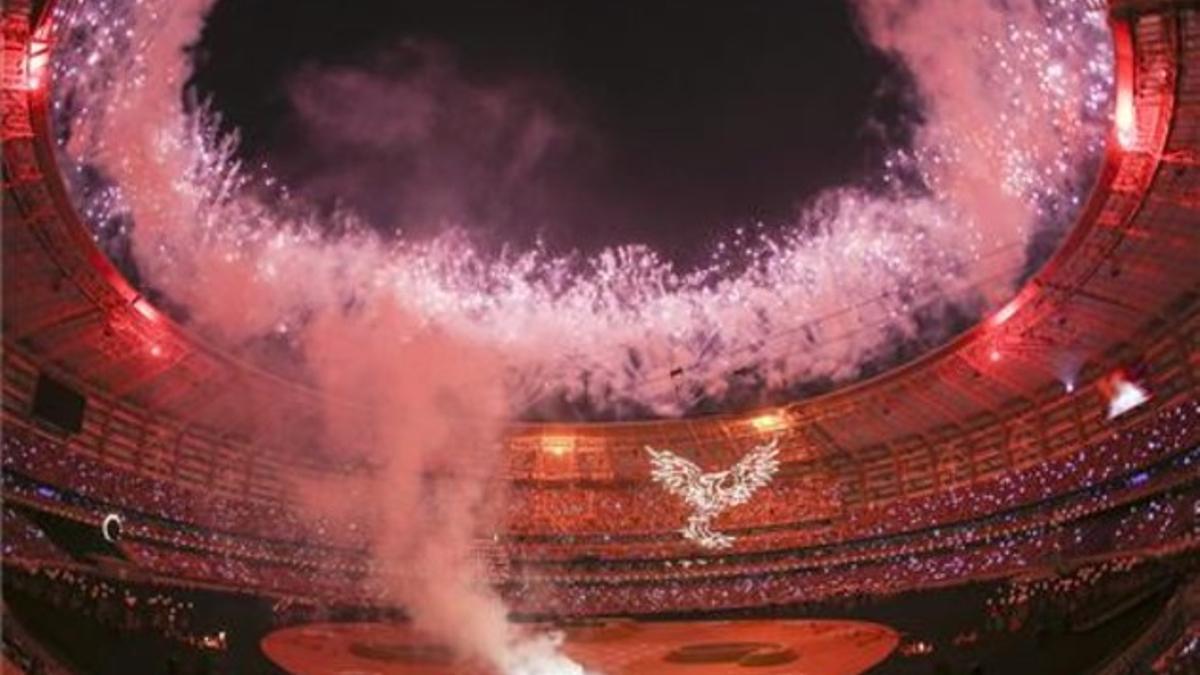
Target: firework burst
x,y
1014,100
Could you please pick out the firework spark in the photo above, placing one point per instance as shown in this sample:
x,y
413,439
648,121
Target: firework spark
x,y
1014,119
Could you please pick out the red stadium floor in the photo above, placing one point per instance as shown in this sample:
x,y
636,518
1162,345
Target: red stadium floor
x,y
809,646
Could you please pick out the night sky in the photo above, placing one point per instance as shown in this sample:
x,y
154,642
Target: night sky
x,y
587,123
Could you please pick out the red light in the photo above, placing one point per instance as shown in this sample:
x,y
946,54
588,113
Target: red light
x,y
1124,112
1006,312
769,422
145,308
994,355
37,63
156,351
558,445
1126,119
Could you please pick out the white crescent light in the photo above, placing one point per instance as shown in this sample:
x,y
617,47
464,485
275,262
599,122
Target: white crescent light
x,y
104,527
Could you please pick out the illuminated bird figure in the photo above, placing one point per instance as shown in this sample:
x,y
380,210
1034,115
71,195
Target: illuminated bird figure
x,y
709,494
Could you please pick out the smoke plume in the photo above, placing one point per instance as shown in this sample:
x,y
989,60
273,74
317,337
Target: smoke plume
x,y
420,405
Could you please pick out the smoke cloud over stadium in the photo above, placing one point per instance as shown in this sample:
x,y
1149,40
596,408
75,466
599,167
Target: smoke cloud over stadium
x,y
437,341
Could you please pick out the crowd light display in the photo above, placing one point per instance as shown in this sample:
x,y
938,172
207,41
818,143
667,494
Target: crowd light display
x,y
709,494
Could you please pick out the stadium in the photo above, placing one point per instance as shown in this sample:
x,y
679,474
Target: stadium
x,y
1020,496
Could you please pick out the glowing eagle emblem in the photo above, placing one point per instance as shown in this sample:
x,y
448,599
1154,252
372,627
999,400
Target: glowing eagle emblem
x,y
709,494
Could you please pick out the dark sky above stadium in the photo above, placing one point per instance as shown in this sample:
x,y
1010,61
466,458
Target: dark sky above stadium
x,y
586,123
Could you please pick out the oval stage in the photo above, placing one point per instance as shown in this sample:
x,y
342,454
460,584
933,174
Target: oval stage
x,y
611,647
